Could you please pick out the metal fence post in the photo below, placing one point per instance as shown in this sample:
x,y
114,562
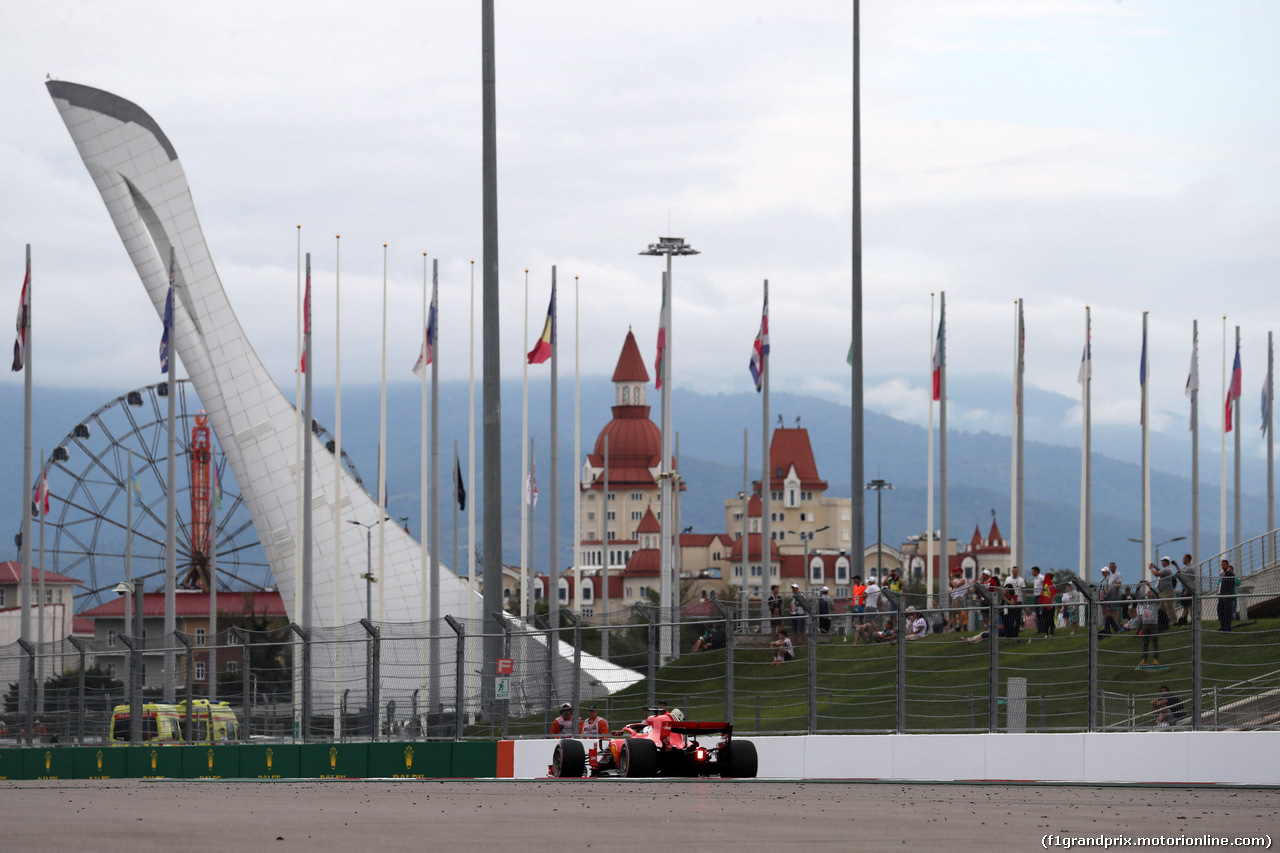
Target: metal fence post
x,y
31,686
505,625
186,725
459,663
566,613
727,612
375,677
1192,588
899,626
239,635
304,634
1091,674
812,628
652,665
80,709
993,665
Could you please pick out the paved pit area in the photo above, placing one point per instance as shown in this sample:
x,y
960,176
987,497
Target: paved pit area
x,y
705,816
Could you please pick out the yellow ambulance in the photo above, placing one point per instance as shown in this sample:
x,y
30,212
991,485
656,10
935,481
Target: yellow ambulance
x,y
160,722
211,722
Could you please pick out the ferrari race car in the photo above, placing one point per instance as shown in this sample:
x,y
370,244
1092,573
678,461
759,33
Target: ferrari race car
x,y
663,745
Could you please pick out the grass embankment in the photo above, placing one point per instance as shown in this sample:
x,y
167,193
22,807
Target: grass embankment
x,y
947,681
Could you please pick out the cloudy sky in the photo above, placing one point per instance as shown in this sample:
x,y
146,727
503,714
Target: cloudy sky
x,y
1121,155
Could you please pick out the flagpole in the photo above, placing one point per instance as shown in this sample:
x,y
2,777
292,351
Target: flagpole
x,y
427,496
42,497
928,512
553,514
337,477
1222,454
530,496
433,694
128,549
382,457
308,540
1238,538
296,612
24,345
577,454
766,476
171,510
945,559
1271,480
1016,522
1193,391
1146,451
1086,452
471,453
526,588
212,654
604,554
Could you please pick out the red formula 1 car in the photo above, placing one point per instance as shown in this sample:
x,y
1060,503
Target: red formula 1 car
x,y
663,745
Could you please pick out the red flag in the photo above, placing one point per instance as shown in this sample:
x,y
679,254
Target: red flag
x,y
24,315
306,316
937,363
547,340
41,503
1233,392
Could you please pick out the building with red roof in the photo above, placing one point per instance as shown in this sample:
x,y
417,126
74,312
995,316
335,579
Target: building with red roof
x,y
59,597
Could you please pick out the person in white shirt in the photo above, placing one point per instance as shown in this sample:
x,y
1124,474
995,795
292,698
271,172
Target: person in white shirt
x,y
873,602
1018,582
917,626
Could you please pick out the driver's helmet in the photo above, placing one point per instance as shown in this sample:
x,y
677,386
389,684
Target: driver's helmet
x,y
677,715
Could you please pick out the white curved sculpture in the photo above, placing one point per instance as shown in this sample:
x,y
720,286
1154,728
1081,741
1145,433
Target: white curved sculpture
x,y
138,174
142,182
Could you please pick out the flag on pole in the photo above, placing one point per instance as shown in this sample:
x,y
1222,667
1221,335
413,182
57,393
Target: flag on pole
x,y
937,362
40,506
134,485
427,353
1233,391
760,349
24,317
168,324
1086,359
1193,374
1266,399
459,487
848,359
306,319
1142,375
664,320
217,483
531,486
542,349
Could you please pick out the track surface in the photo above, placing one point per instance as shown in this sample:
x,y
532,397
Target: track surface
x,y
705,816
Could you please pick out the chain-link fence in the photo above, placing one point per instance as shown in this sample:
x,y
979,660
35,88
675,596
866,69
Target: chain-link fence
x,y
987,664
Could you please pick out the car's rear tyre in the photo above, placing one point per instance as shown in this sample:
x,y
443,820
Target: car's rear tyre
x,y
569,760
738,760
639,758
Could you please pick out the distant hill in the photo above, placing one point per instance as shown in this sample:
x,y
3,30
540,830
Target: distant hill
x,y
710,431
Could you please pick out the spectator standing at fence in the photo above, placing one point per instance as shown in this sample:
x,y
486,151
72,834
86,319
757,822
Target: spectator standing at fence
x,y
1226,596
783,650
1165,580
775,610
873,602
1011,615
825,606
1189,574
1149,613
798,615
956,622
563,725
1018,581
1070,607
1168,708
1111,619
594,725
1044,602
858,599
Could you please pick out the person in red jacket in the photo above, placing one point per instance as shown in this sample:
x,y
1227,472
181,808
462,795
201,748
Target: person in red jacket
x,y
563,725
1048,593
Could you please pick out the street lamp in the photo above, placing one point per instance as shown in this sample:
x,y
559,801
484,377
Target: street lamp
x,y
369,579
133,592
1155,548
879,486
668,246
807,539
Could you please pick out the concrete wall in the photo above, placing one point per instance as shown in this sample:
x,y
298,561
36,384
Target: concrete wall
x,y
1169,757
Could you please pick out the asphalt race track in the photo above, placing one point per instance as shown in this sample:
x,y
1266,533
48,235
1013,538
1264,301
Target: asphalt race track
x,y
705,816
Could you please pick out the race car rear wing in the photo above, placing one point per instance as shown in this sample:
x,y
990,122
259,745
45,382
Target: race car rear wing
x,y
695,728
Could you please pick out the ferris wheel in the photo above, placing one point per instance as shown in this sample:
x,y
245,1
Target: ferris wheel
x,y
92,503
